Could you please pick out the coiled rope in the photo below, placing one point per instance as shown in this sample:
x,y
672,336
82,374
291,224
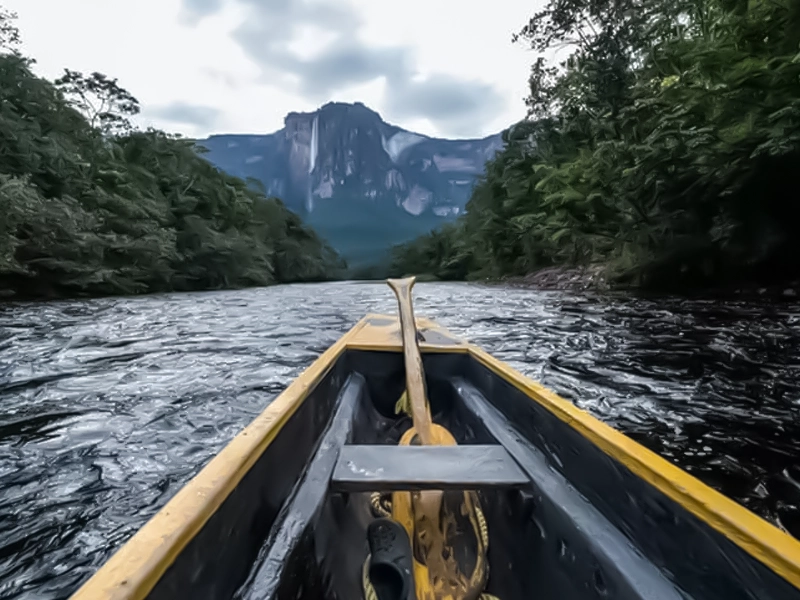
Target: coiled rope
x,y
421,513
381,505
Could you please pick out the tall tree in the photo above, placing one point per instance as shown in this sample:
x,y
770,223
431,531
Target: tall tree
x,y
92,206
664,147
106,104
9,33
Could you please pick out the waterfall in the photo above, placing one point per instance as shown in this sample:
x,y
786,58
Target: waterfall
x,y
314,144
312,161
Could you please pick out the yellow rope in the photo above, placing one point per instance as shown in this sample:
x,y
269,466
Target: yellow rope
x,y
381,506
377,500
369,591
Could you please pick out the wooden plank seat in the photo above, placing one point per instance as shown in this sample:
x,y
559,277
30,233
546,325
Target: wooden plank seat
x,y
367,468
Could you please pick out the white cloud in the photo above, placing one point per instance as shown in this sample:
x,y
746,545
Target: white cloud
x,y
168,56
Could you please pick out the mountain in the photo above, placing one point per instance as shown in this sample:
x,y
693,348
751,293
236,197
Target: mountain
x,y
362,183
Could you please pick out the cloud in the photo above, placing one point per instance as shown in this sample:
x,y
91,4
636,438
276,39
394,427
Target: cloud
x,y
455,105
344,63
267,37
203,7
313,48
224,77
186,114
194,10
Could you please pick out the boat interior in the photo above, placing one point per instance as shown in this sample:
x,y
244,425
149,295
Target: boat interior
x,y
566,520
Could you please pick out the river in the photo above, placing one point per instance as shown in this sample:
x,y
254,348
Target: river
x,y
109,406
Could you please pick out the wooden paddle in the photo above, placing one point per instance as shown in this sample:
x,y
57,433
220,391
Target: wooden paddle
x,y
415,377
420,513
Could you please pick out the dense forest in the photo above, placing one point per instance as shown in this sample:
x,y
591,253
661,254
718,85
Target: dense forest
x,y
665,147
92,206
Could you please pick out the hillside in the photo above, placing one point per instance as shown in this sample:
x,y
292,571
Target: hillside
x,y
363,184
665,152
92,206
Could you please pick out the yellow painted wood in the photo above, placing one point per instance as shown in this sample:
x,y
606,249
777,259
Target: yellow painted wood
x,y
133,571
763,541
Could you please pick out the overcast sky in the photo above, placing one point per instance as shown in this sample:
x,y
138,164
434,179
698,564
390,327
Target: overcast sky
x,y
439,67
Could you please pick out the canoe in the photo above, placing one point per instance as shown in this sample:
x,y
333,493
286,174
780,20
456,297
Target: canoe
x,y
574,509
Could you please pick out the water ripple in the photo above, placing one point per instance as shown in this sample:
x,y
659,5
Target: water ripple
x,y
109,406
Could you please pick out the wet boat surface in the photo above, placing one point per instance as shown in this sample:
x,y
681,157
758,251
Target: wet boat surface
x,y
574,508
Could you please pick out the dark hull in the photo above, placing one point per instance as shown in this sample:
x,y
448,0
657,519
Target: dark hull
x,y
582,526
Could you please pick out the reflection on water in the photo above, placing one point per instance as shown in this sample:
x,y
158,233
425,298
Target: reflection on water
x,y
109,406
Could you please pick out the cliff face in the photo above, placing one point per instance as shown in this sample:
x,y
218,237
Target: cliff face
x,y
349,173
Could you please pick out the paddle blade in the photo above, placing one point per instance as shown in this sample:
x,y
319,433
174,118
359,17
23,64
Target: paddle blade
x,y
402,287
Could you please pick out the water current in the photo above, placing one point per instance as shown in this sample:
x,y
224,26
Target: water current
x,y
107,407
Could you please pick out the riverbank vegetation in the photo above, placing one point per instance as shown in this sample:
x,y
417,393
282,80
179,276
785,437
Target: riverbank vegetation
x,y
666,148
92,206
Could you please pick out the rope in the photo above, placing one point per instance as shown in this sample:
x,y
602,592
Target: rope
x,y
369,591
381,504
378,501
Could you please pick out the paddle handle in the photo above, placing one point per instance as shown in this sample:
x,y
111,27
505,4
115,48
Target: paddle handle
x,y
415,378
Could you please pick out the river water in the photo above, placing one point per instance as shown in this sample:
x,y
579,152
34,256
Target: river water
x,y
109,406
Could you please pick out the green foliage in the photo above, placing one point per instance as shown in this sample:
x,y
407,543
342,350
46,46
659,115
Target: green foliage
x,y
9,34
666,147
105,104
364,232
443,249
92,207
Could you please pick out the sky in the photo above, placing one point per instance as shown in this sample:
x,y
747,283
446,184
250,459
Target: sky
x,y
438,67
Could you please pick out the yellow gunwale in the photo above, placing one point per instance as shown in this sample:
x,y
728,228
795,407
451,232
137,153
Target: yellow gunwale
x,y
133,571
774,548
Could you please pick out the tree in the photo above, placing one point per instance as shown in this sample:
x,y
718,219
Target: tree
x,y
93,207
106,104
9,34
663,148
